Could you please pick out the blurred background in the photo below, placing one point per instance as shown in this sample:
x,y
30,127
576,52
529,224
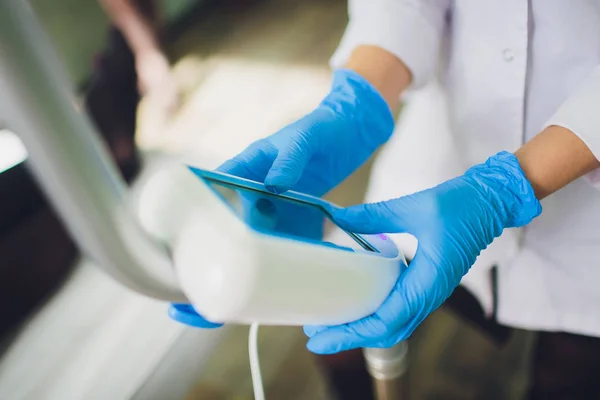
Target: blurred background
x,y
200,77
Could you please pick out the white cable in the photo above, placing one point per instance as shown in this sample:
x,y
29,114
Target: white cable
x,y
257,384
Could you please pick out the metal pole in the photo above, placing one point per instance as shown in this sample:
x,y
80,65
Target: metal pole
x,y
388,368
70,162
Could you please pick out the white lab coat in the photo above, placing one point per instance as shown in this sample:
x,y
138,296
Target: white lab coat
x,y
508,69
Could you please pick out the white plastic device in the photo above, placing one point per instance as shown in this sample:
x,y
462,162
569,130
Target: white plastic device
x,y
232,271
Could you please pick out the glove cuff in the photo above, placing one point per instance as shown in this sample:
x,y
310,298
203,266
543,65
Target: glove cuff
x,y
502,178
352,95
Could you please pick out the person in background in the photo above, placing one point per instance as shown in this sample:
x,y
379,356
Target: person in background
x,y
133,65
522,79
138,21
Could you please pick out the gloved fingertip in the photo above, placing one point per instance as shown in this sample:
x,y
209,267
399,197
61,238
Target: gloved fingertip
x,y
236,168
278,182
321,345
287,168
311,330
333,340
371,218
340,214
253,163
185,314
350,218
228,167
318,348
275,189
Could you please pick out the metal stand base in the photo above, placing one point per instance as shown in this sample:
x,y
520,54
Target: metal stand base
x,y
388,368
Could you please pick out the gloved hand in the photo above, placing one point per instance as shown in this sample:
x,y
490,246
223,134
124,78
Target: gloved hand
x,y
453,223
317,152
186,314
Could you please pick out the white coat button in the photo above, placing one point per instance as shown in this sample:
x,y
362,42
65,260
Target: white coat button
x,y
508,55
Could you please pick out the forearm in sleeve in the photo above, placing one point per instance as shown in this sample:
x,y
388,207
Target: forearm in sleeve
x,y
393,43
569,146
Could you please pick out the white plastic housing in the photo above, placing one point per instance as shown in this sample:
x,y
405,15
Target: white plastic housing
x,y
231,273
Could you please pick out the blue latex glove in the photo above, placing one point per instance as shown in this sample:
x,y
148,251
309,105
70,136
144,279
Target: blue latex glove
x,y
186,314
453,223
316,153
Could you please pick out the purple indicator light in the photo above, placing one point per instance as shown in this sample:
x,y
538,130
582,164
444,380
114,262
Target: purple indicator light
x,y
382,236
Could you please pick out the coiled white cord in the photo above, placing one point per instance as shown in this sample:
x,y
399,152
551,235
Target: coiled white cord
x,y
257,384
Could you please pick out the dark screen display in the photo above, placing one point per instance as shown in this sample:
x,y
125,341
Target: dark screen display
x,y
285,216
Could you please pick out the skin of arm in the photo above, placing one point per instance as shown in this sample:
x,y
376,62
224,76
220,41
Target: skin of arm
x,y
152,66
551,160
554,158
138,31
383,70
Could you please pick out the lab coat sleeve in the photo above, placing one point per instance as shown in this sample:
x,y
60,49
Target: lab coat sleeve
x,y
409,29
580,114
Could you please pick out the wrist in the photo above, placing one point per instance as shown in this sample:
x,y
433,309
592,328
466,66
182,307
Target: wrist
x,y
149,54
554,158
355,97
383,70
502,181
